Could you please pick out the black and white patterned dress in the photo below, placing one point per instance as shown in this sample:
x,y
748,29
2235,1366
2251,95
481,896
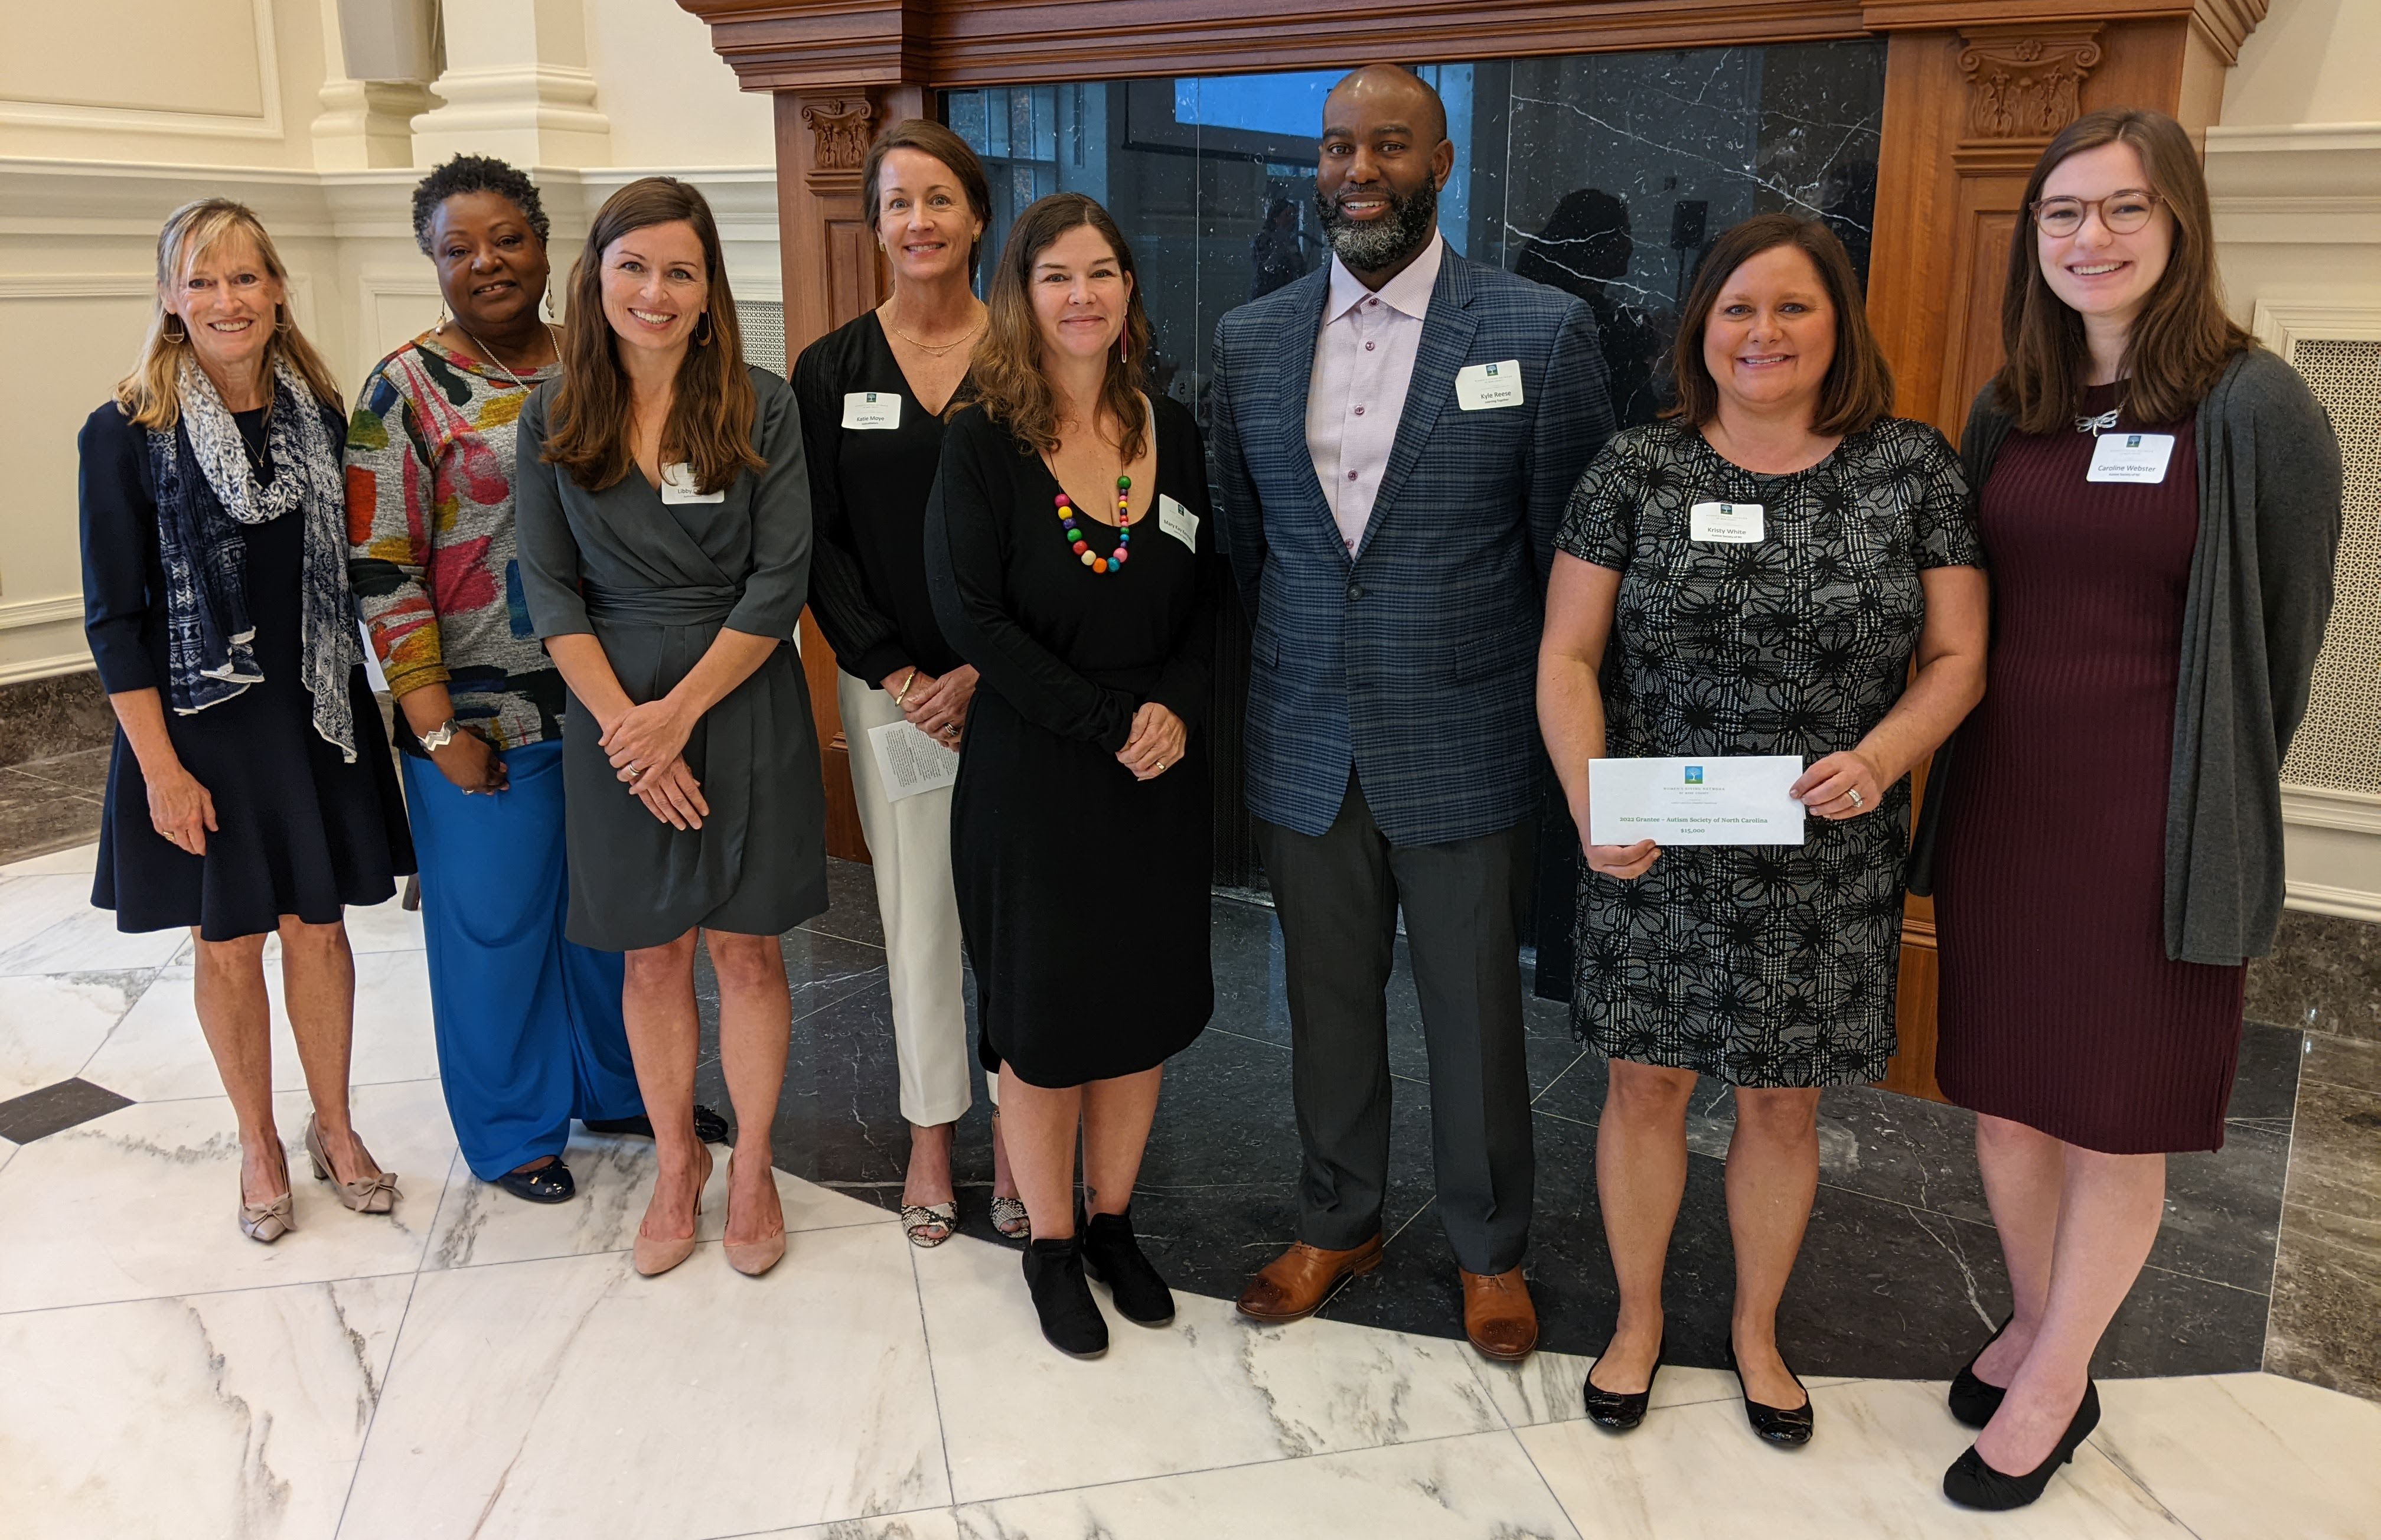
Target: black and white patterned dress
x,y
1765,966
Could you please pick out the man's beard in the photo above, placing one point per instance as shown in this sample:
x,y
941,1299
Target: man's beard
x,y
1369,245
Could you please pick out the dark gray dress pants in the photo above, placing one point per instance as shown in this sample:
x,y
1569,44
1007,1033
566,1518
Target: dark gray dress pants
x,y
1337,896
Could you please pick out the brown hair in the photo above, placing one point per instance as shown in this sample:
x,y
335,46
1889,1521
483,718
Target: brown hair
x,y
152,394
1859,386
712,406
930,138
1007,370
2180,341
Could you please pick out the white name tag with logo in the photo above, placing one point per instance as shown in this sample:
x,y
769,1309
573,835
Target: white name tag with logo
x,y
872,408
2138,457
1485,386
1725,523
678,487
1178,521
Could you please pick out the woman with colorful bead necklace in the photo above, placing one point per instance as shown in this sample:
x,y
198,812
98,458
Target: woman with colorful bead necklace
x,y
1069,557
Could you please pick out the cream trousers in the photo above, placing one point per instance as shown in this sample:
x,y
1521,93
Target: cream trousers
x,y
910,843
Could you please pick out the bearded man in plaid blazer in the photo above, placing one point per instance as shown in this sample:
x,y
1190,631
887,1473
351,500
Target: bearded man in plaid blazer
x,y
1394,439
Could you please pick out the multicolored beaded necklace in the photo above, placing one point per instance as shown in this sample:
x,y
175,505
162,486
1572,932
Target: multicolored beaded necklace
x,y
1114,560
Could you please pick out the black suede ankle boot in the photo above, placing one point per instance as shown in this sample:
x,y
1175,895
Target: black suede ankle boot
x,y
1071,1321
1113,1256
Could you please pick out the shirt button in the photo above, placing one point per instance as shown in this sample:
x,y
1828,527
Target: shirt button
x,y
1368,348
1360,411
1352,475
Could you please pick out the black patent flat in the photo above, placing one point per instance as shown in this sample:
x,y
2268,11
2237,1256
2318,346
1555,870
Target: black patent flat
x,y
550,1183
1617,1410
1789,1428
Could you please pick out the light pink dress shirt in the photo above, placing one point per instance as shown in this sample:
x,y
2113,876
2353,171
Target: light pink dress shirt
x,y
1363,362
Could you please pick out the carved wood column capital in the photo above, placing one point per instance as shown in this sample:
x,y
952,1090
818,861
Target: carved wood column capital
x,y
2026,83
840,128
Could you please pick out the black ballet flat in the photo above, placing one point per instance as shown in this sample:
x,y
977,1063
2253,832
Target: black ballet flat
x,y
550,1183
1070,1318
1789,1428
1972,1484
1618,1412
709,1127
1113,1255
1972,1400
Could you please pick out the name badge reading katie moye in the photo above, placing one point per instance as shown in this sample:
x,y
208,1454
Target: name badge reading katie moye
x,y
1178,521
1725,523
2138,457
872,408
678,487
1485,386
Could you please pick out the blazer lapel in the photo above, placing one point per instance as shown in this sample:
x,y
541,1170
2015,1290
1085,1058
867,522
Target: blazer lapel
x,y
1445,339
1296,360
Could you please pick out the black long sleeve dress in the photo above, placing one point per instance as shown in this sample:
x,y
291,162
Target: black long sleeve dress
x,y
1083,893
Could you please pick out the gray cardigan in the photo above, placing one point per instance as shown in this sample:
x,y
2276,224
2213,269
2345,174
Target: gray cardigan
x,y
2269,520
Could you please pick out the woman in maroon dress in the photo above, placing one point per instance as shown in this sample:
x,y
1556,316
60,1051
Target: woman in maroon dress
x,y
2160,502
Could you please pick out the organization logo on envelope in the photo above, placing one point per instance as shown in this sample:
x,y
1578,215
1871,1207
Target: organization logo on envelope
x,y
1694,774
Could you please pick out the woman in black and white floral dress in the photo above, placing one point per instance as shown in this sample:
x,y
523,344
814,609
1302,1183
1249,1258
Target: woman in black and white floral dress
x,y
1771,968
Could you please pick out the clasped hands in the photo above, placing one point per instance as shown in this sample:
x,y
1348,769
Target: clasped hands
x,y
935,705
1839,786
645,744
1156,744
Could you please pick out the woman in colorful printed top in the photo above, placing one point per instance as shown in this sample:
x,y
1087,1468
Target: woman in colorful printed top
x,y
529,1024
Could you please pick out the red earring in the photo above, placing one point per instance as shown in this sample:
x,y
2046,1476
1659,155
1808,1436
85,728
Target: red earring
x,y
1124,354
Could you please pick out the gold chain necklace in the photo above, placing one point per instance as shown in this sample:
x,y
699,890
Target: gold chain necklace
x,y
490,354
884,314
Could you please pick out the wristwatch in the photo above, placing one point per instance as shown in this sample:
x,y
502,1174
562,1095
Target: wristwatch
x,y
440,736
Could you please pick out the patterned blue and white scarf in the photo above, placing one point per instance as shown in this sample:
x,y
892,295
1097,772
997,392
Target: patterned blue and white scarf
x,y
206,490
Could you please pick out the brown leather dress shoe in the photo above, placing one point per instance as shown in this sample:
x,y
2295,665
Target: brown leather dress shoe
x,y
1498,1316
1294,1285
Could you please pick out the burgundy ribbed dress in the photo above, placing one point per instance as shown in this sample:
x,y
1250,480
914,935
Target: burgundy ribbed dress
x,y
2060,1009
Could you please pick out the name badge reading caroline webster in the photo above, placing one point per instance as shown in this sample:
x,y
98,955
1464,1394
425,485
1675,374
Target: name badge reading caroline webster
x,y
678,487
1485,386
2138,457
1727,523
872,408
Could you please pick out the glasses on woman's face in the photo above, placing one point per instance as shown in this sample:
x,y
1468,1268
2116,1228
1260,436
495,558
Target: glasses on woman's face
x,y
2122,212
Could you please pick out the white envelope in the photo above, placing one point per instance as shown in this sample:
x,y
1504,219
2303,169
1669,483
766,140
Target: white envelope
x,y
1722,801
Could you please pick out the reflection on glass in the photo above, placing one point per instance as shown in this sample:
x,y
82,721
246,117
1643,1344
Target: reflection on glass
x,y
1606,174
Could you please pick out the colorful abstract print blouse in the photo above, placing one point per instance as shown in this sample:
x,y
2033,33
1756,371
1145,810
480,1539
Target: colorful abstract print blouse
x,y
431,552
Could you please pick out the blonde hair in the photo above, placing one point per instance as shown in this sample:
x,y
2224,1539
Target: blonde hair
x,y
150,395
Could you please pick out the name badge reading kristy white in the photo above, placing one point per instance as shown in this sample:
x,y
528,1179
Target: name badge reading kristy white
x,y
678,487
1485,386
872,408
1725,523
1178,521
2130,458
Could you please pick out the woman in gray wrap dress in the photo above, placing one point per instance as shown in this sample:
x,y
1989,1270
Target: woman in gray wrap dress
x,y
665,529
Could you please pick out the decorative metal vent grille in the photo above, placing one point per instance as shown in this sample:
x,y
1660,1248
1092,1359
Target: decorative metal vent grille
x,y
764,333
2340,744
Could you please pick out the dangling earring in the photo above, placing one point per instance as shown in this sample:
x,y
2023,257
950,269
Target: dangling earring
x,y
702,339
440,329
180,336
1124,351
549,307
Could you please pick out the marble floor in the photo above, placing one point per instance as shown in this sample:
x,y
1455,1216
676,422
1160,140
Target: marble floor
x,y
473,1365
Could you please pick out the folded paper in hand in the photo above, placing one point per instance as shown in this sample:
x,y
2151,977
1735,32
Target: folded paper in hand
x,y
908,762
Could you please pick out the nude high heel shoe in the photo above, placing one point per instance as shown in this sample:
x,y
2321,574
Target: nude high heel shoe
x,y
269,1222
374,1194
652,1257
752,1258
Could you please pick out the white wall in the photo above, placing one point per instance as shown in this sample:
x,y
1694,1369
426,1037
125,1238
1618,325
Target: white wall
x,y
194,98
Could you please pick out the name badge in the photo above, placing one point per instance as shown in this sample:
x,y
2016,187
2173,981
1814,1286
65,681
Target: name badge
x,y
872,408
1725,523
678,487
2130,457
1178,521
1485,386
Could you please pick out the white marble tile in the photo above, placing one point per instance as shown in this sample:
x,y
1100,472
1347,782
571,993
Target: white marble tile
x,y
2249,1456
933,1523
480,1223
75,861
50,1024
570,1398
158,1052
48,925
1546,1386
145,1202
1875,1469
1210,1389
217,1414
1472,1487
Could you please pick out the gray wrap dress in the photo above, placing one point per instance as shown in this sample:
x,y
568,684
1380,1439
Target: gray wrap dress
x,y
655,582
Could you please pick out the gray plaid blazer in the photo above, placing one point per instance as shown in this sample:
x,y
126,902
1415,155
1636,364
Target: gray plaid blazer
x,y
1414,661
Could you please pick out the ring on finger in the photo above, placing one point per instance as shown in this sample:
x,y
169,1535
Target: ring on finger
x,y
1858,800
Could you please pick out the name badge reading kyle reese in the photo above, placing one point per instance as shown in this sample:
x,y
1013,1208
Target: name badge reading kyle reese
x,y
1725,523
2138,457
678,487
872,408
1485,386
